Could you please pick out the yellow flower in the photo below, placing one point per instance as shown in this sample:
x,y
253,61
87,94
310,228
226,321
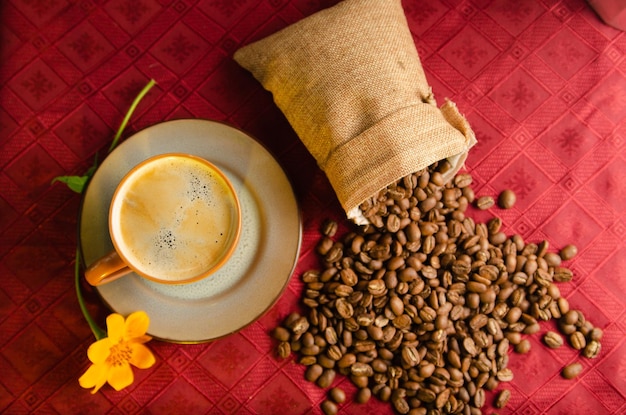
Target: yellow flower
x,y
113,355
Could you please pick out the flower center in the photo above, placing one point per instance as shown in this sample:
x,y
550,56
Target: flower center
x,y
120,354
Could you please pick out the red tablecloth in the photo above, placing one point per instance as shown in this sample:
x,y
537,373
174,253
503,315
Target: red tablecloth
x,y
541,81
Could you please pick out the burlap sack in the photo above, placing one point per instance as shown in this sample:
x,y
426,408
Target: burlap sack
x,y
350,82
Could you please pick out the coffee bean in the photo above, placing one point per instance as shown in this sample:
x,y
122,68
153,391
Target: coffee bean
x,y
443,398
426,395
284,349
552,259
308,360
334,254
577,340
361,369
506,199
428,228
313,372
463,180
362,346
334,352
324,246
513,315
532,328
463,394
413,232
427,204
402,322
344,308
342,290
363,395
476,287
397,305
503,398
326,378
348,277
523,346
329,228
505,375
570,317
325,361
567,329
470,346
400,404
310,350
329,407
553,340
479,398
596,334
485,202
572,370
383,392
478,321
410,356
497,238
346,360
281,334
592,349
307,340
376,287
330,334
492,383
337,395
568,252
563,305
393,223
562,274
299,326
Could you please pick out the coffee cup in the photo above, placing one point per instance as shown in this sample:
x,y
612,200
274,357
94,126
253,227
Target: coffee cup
x,y
173,219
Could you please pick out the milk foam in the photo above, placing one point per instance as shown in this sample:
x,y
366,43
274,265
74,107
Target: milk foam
x,y
175,218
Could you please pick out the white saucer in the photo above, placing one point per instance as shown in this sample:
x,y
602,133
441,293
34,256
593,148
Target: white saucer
x,y
265,257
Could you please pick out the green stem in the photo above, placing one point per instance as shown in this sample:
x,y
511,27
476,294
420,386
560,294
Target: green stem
x,y
97,331
132,108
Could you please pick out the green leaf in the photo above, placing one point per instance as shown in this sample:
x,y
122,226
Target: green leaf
x,y
75,183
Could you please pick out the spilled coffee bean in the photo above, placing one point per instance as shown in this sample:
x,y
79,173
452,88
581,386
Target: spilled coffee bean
x,y
337,395
485,202
507,199
568,252
553,340
421,307
572,370
503,398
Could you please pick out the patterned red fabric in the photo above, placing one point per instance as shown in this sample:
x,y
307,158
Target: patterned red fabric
x,y
543,83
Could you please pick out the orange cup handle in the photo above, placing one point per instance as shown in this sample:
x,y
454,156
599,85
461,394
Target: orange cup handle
x,y
106,269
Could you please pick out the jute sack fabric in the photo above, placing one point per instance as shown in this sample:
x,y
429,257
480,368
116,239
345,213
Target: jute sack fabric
x,y
351,84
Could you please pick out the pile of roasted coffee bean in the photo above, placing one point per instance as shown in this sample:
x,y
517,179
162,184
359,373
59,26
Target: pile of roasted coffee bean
x,y
421,307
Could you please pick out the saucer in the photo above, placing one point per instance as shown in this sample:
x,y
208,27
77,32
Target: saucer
x,y
259,269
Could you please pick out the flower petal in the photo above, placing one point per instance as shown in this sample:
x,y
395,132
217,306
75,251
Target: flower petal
x,y
115,327
136,325
120,376
99,351
142,339
141,356
94,377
